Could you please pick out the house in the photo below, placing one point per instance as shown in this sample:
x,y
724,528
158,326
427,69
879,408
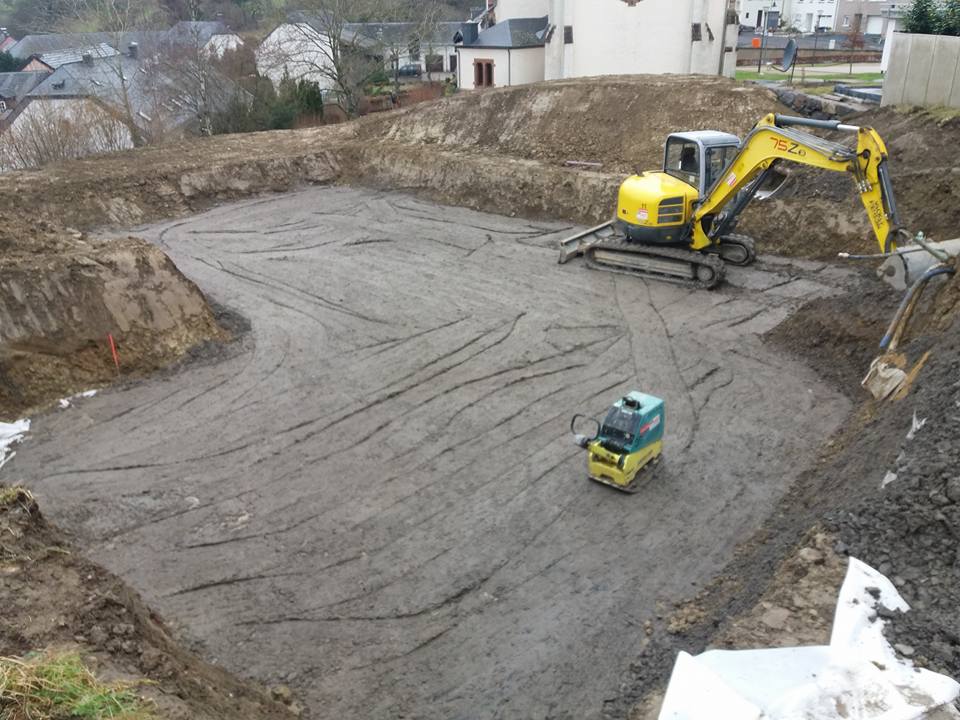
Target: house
x,y
50,61
803,15
870,17
531,40
211,36
511,52
6,42
14,88
403,43
301,49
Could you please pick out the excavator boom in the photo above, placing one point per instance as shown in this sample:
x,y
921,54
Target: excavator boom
x,y
776,139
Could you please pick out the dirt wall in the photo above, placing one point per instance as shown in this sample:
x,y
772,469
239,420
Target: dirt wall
x,y
59,303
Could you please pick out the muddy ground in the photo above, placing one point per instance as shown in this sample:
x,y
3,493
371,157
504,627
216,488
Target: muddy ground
x,y
373,495
444,151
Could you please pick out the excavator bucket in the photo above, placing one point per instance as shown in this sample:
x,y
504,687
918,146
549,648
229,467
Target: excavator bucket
x,y
576,245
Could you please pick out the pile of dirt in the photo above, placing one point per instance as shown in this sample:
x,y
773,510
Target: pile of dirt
x,y
64,295
53,598
620,122
908,529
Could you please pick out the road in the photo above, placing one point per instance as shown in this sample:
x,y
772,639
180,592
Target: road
x,y
373,496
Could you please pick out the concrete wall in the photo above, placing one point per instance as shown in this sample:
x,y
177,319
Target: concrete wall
x,y
507,9
923,70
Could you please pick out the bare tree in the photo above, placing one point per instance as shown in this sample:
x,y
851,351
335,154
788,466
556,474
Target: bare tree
x,y
321,44
428,16
54,130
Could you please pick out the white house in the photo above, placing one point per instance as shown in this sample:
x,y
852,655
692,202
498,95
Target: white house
x,y
300,48
804,15
550,39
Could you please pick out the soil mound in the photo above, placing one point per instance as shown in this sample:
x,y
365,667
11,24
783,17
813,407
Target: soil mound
x,y
620,121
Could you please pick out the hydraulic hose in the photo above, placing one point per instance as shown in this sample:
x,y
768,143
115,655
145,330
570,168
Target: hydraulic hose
x,y
909,301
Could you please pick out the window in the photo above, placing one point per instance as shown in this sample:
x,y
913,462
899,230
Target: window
x,y
3,105
453,63
434,63
683,161
413,50
568,34
846,21
697,32
482,73
718,160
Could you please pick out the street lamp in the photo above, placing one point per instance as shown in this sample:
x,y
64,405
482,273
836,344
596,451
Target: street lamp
x,y
763,35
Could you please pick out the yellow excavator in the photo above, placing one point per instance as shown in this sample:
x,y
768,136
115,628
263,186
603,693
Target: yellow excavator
x,y
679,224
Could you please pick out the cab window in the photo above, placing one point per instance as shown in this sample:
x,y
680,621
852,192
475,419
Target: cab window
x,y
683,161
718,160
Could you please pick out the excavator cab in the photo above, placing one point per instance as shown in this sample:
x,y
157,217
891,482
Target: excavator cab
x,y
699,158
629,439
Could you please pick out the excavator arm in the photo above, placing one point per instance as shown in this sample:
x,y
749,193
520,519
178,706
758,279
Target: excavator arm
x,y
775,139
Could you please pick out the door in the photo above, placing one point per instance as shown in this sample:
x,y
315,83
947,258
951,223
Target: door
x,y
874,25
453,63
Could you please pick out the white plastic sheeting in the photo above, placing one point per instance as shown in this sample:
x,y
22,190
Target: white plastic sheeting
x,y
857,676
11,434
68,401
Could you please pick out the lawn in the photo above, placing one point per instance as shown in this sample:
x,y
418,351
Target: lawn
x,y
770,74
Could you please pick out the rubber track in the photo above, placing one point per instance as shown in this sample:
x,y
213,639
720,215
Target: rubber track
x,y
694,258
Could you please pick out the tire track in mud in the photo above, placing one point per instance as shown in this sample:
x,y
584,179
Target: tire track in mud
x,y
373,497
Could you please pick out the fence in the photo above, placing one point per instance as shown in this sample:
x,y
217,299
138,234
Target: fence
x,y
750,56
923,70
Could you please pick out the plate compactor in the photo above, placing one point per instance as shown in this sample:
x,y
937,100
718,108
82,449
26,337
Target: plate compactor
x,y
629,440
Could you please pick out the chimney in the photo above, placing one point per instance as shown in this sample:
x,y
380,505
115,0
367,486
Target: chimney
x,y
469,32
87,58
133,49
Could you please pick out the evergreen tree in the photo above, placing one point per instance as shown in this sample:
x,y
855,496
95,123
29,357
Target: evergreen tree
x,y
923,17
8,63
950,18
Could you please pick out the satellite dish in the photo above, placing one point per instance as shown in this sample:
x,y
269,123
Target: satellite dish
x,y
789,57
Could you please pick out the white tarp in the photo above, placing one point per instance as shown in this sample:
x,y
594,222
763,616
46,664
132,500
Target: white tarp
x,y
857,676
10,434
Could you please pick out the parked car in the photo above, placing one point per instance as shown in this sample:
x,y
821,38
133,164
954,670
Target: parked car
x,y
411,70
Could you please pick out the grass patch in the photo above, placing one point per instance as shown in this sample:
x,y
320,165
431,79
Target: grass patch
x,y
58,686
832,77
9,496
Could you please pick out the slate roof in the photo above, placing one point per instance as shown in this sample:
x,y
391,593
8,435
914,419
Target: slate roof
x,y
385,33
143,80
15,85
32,45
514,33
183,33
401,33
65,57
